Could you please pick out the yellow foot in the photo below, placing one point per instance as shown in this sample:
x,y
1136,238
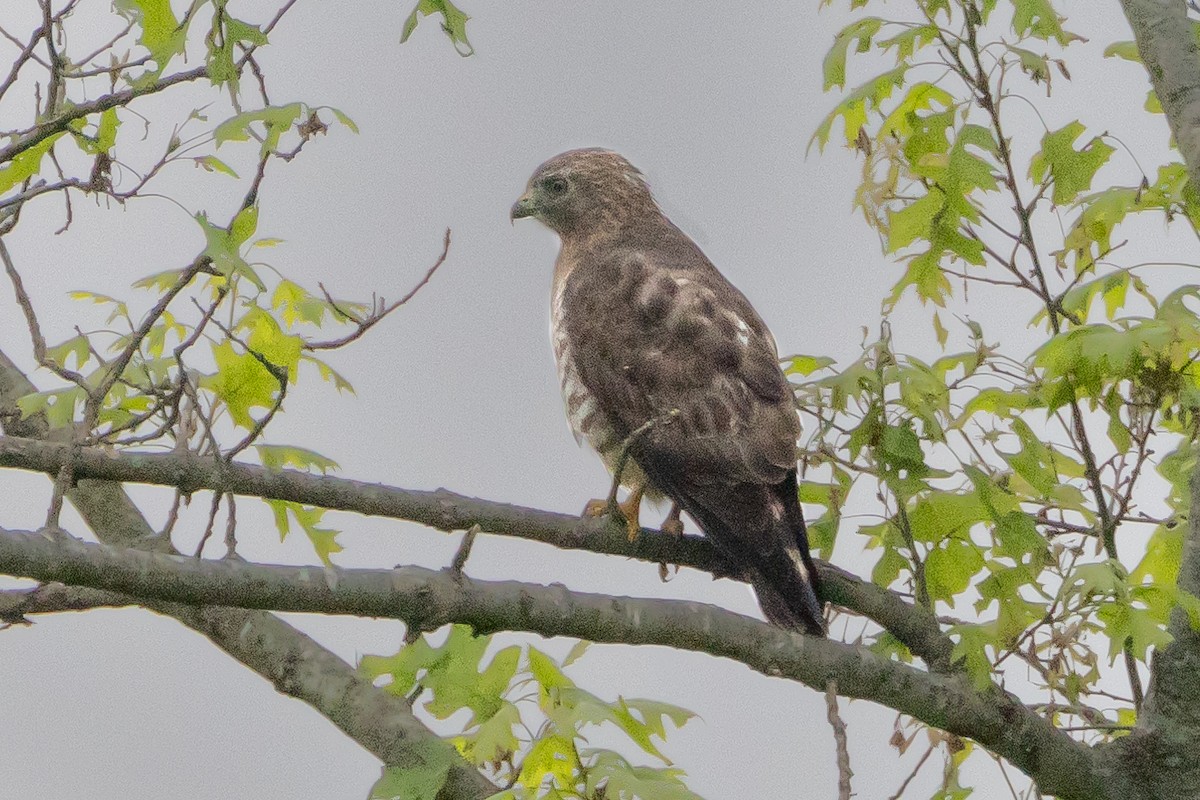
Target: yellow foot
x,y
595,508
628,511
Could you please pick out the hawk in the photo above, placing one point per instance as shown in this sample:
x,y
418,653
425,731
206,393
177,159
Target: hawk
x,y
661,359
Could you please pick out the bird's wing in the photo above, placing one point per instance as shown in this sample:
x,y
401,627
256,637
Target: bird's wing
x,y
661,335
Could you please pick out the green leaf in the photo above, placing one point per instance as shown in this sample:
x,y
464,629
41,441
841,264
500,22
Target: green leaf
x,y
278,456
1037,18
612,774
241,382
328,373
493,740
454,23
161,32
243,225
1004,586
26,163
807,365
1017,537
940,515
1125,622
858,33
270,341
297,304
576,652
940,331
1072,170
547,672
970,650
909,41
276,120
1035,66
421,780
551,757
59,406
1164,554
950,568
77,346
853,110
344,119
1124,49
214,164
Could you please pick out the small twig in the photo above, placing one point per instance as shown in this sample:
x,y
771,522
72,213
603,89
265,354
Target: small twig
x,y
35,330
378,310
212,518
464,550
172,515
230,527
62,482
920,586
96,397
839,738
925,757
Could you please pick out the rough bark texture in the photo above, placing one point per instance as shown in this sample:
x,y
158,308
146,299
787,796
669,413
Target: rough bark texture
x,y
915,626
1166,41
294,663
428,599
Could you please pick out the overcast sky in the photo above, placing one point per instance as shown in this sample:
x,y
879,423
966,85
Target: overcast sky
x,y
715,102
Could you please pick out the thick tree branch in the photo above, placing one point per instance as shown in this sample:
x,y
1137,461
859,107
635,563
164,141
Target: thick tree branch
x,y
426,599
52,598
1170,715
1166,41
294,663
444,510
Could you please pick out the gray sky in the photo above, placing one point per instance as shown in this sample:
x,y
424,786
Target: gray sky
x,y
716,104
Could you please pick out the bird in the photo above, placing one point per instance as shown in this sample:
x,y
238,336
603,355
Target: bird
x,y
669,373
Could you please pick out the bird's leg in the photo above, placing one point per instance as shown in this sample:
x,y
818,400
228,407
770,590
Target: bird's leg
x,y
627,510
673,524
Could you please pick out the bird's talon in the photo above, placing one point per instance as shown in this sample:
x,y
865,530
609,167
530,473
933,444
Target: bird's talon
x,y
596,508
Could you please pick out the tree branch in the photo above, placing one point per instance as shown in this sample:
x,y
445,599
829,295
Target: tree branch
x,y
295,664
426,600
63,121
52,598
447,511
1167,44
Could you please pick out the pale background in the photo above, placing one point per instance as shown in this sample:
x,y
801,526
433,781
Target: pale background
x,y
716,103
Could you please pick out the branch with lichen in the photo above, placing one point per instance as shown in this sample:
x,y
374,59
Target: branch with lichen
x,y
447,511
427,599
381,723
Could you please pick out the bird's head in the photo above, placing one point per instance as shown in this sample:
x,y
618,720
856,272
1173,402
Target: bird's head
x,y
580,191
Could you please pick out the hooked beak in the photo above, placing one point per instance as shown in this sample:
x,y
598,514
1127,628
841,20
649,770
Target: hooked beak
x,y
523,208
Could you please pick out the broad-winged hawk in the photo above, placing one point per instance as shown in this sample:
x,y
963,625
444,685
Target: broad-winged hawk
x,y
660,355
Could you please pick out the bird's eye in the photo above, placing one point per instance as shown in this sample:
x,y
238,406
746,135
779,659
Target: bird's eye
x,y
556,186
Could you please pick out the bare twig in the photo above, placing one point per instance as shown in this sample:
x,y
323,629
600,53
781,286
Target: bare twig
x,y
213,507
904,786
35,330
379,310
464,550
839,739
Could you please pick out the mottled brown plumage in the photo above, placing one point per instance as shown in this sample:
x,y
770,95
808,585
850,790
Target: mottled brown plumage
x,y
645,329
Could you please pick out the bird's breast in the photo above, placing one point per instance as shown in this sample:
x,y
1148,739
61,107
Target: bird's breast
x,y
588,421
